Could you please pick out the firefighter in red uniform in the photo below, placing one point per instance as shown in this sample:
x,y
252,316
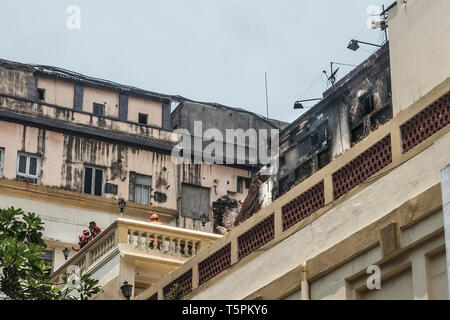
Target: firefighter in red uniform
x,y
95,230
154,219
84,239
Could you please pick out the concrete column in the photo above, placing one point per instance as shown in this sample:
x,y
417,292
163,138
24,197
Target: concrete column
x,y
304,283
126,273
445,186
420,276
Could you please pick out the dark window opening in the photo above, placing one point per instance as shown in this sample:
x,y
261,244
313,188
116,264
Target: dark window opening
x,y
324,158
99,109
143,118
314,139
93,181
282,161
240,182
303,172
367,104
357,133
41,94
247,183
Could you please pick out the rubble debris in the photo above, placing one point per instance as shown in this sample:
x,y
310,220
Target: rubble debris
x,y
253,202
225,211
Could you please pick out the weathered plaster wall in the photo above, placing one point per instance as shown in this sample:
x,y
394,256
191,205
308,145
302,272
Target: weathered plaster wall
x,y
57,92
420,48
152,108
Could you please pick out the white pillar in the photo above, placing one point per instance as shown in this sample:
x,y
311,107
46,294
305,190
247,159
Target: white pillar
x,y
445,186
304,283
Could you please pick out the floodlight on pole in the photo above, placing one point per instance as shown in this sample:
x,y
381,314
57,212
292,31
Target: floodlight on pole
x,y
354,44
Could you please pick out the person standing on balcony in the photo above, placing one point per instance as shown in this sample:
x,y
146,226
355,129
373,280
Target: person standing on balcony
x,y
83,239
155,220
94,229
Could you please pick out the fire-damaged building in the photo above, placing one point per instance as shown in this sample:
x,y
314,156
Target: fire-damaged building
x,y
222,118
352,108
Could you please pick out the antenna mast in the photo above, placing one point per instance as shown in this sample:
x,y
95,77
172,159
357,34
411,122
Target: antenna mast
x,y
267,96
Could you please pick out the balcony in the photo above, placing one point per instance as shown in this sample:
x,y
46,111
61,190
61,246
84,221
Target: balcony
x,y
134,251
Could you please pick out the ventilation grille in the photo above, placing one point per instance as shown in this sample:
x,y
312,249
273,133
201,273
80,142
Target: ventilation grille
x,y
426,123
361,168
304,205
256,237
214,264
184,282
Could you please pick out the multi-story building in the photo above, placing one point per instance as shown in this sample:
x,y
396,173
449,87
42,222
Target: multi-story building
x,y
373,221
71,146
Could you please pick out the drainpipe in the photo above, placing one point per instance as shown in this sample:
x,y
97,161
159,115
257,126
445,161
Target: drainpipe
x,y
304,283
445,187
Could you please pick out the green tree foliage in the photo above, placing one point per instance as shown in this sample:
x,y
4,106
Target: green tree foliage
x,y
23,273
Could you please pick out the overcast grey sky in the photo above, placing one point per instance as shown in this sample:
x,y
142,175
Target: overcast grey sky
x,y
206,50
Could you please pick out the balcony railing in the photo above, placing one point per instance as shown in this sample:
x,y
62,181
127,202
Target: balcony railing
x,y
160,242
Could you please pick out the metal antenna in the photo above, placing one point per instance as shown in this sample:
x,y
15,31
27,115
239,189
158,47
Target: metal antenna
x,y
267,96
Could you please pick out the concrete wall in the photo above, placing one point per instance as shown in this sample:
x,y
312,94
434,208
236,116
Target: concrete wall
x,y
152,108
336,225
419,49
57,92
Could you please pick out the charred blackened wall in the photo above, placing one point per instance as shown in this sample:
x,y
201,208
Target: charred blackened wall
x,y
349,111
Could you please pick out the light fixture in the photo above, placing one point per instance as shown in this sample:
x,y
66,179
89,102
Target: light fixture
x,y
122,205
299,105
127,289
203,219
354,44
66,253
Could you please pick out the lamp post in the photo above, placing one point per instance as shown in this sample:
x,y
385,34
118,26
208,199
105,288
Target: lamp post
x,y
122,205
126,289
354,44
66,253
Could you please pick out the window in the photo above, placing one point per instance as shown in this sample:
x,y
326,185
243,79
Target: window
x,y
143,118
41,94
99,109
143,189
2,152
314,139
367,104
28,168
241,182
48,257
93,181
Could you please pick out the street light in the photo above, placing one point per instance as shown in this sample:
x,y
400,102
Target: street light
x,y
299,105
122,205
354,44
66,253
127,289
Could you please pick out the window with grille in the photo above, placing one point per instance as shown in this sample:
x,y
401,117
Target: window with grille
x,y
28,168
143,189
93,181
99,109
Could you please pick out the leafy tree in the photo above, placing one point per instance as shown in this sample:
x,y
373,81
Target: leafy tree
x,y
23,273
